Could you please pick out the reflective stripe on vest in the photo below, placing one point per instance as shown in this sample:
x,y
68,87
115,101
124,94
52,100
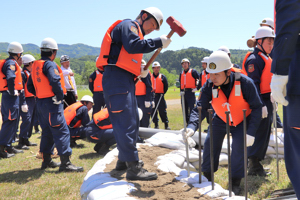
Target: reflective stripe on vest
x,y
42,86
140,88
102,120
187,80
266,76
98,82
204,77
158,86
18,79
235,104
70,114
27,93
126,61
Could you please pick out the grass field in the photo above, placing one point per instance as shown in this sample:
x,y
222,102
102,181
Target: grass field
x,y
21,177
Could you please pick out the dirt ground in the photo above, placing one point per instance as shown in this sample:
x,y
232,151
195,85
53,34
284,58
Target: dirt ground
x,y
165,187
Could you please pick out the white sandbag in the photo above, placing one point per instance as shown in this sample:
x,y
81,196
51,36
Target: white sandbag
x,y
193,154
272,141
270,150
225,146
192,179
168,166
223,160
177,159
192,168
196,137
206,189
280,150
274,156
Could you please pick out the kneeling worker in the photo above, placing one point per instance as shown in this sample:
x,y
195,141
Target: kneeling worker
x,y
227,86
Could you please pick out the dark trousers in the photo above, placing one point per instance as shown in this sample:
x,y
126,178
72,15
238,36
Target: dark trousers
x,y
95,134
144,122
98,101
162,109
189,103
69,98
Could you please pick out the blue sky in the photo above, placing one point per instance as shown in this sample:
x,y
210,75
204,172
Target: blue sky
x,y
209,24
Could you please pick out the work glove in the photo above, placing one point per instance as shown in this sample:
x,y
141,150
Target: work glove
x,y
153,104
54,99
278,88
16,93
147,104
264,112
144,73
186,134
194,90
165,41
250,140
273,101
24,108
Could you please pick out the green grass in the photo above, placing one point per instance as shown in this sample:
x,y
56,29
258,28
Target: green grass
x,y
21,177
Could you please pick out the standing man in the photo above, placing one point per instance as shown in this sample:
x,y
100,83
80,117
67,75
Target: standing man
x,y
227,86
10,86
204,75
160,87
285,83
188,84
95,86
258,67
69,79
121,55
47,84
144,97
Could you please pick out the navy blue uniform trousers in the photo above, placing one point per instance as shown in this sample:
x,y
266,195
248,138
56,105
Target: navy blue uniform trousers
x,y
119,95
162,109
96,135
189,103
146,111
98,101
26,118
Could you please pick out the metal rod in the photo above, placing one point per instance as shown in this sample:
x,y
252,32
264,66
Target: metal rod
x,y
200,157
275,130
245,153
161,95
228,149
210,111
186,141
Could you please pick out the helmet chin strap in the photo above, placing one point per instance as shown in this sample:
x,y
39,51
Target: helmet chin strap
x,y
262,48
148,17
225,79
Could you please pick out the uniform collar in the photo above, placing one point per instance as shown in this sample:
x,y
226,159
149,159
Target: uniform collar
x,y
143,32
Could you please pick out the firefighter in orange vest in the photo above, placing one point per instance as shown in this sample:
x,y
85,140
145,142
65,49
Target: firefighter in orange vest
x,y
10,87
25,127
160,87
232,91
188,79
145,97
47,84
77,118
95,86
120,56
204,75
257,64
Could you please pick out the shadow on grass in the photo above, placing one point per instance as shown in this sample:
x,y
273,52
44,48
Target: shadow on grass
x,y
22,176
89,156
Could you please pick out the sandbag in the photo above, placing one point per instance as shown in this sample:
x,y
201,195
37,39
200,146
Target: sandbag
x,y
270,150
272,141
223,159
177,159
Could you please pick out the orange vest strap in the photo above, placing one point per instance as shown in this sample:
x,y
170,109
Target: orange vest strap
x,y
102,120
70,113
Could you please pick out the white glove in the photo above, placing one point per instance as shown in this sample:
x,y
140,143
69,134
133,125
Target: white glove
x,y
153,104
147,104
186,134
144,73
278,88
264,112
165,41
250,140
194,90
24,108
16,93
55,100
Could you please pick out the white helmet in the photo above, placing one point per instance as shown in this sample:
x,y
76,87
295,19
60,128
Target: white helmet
x,y
224,48
96,59
268,22
49,43
155,64
157,14
185,60
218,61
15,47
264,32
87,98
143,62
140,114
64,58
27,58
205,59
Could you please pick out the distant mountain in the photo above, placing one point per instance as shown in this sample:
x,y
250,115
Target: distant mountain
x,y
74,50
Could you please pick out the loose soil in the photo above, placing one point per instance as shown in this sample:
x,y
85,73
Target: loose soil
x,y
165,187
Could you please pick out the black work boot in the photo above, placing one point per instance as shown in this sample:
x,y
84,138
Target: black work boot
x,y
67,166
73,143
135,171
207,175
120,165
22,145
167,126
48,162
255,168
236,186
11,149
156,125
28,143
4,154
36,128
103,150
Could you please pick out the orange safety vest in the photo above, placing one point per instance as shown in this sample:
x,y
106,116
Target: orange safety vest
x,y
233,69
235,104
42,86
126,61
158,85
98,82
102,120
70,114
266,76
140,88
27,93
204,77
187,80
18,79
